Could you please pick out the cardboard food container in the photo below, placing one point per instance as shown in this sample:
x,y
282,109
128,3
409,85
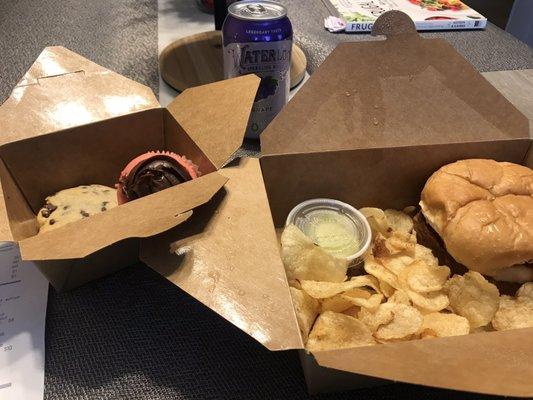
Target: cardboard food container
x,y
368,128
71,122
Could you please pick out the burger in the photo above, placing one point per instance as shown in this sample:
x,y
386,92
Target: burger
x,y
478,214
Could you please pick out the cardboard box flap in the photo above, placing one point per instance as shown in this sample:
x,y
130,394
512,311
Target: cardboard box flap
x,y
215,116
55,61
5,230
20,211
227,256
516,86
404,90
140,218
394,24
493,362
61,90
368,177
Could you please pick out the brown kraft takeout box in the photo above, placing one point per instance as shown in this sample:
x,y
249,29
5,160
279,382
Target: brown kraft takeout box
x,y
71,122
368,128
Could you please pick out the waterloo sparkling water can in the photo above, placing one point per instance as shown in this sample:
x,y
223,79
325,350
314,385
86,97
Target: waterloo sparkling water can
x,y
257,38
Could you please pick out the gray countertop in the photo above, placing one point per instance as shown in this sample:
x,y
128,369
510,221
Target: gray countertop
x,y
134,335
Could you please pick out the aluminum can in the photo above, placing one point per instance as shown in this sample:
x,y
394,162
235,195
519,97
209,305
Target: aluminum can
x,y
257,38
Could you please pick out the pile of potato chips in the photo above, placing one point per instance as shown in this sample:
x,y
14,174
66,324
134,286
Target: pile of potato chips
x,y
401,292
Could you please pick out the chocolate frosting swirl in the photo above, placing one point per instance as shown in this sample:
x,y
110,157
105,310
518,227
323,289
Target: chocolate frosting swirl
x,y
153,176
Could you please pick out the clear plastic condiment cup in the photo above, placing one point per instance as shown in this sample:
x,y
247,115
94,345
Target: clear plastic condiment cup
x,y
337,227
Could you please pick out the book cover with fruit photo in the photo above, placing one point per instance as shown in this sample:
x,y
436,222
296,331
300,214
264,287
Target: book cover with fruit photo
x,y
359,15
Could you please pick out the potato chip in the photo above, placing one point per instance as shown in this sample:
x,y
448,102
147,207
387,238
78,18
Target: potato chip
x,y
304,260
473,297
426,255
321,266
352,311
338,331
428,334
404,339
429,302
323,290
396,264
406,321
423,278
359,292
306,310
371,302
375,268
394,253
445,324
293,243
396,244
377,220
513,313
295,284
526,290
386,289
366,281
335,304
399,221
399,297
374,320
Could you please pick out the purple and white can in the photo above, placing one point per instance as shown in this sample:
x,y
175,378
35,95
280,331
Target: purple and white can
x,y
257,38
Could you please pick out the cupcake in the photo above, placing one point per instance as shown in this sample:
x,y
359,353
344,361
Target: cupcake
x,y
152,172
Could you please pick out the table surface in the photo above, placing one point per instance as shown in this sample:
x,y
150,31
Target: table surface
x,y
134,335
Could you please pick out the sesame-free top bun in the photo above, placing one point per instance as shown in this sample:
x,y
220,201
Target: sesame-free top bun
x,y
483,211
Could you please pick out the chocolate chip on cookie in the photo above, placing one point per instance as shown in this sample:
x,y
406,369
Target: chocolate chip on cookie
x,y
48,209
84,213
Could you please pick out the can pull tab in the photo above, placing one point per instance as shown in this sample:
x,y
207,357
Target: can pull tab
x,y
256,9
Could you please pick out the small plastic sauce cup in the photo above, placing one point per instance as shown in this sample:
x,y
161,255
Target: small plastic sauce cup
x,y
337,227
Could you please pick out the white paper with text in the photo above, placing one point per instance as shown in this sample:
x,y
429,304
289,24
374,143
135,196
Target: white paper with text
x,y
23,297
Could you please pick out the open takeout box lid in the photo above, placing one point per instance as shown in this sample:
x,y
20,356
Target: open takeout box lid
x,y
65,99
398,91
231,262
63,89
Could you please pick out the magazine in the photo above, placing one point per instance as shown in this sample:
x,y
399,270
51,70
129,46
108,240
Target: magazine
x,y
359,15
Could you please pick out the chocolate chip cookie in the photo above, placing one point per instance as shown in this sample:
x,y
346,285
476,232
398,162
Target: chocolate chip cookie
x,y
73,204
